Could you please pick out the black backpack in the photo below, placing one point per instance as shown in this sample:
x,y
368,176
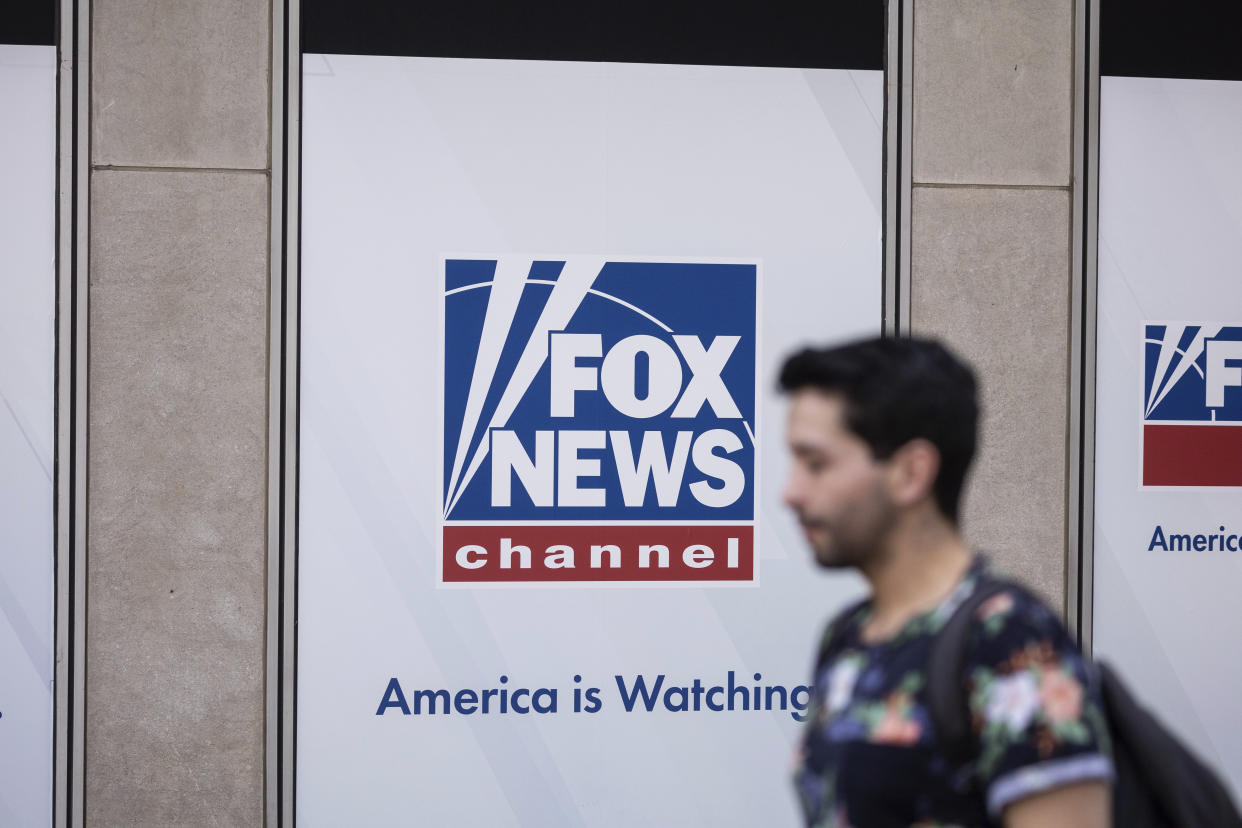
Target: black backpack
x,y
1159,782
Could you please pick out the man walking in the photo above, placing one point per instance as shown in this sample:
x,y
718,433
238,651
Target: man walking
x,y
882,433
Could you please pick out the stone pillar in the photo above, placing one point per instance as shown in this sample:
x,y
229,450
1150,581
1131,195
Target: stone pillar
x,y
179,195
991,253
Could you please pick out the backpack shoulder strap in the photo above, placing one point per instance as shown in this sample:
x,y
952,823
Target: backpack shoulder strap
x,y
946,697
834,635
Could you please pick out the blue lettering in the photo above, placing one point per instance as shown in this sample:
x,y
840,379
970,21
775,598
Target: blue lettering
x,y
430,696
393,697
775,691
734,689
548,705
629,697
466,701
711,705
593,703
800,698
676,699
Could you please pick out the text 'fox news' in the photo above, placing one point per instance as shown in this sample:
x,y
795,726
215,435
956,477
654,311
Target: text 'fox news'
x,y
598,421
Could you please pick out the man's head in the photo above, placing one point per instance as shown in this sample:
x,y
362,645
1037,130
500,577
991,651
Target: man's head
x,y
876,427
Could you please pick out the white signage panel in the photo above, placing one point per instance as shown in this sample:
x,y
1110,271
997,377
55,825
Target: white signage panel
x,y
1168,479
545,577
27,370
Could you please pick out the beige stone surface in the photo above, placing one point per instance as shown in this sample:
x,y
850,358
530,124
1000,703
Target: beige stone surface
x,y
175,608
993,91
990,276
180,83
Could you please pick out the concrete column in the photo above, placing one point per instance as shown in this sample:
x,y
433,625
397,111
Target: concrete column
x,y
180,175
990,253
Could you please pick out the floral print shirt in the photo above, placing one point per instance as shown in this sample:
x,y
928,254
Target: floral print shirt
x,y
869,758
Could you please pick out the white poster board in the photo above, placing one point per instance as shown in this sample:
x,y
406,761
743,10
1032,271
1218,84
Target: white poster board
x,y
27,370
1168,478
513,275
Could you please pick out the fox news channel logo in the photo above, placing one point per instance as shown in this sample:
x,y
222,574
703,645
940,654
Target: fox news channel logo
x,y
1192,405
599,421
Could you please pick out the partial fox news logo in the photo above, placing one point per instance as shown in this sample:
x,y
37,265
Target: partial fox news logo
x,y
599,421
1192,410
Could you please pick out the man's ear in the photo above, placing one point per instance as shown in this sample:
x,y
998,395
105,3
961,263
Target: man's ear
x,y
913,469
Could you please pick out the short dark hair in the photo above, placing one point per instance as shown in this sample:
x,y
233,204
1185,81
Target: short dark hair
x,y
897,390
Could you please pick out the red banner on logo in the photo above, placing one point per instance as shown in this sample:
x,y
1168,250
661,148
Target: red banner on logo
x,y
577,554
1192,455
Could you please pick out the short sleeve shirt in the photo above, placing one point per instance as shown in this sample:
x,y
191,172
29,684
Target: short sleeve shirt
x,y
869,757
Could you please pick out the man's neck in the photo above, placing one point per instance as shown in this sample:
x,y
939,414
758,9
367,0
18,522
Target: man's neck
x,y
923,558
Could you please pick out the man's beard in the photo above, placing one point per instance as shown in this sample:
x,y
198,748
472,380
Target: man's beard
x,y
858,540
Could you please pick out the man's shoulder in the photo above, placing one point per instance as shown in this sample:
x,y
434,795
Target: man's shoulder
x,y
1003,604
841,629
1012,628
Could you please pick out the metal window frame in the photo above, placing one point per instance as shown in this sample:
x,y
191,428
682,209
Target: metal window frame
x,y
1080,489
898,177
280,673
72,398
